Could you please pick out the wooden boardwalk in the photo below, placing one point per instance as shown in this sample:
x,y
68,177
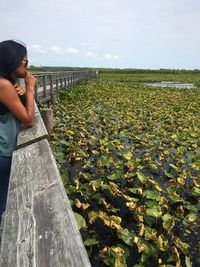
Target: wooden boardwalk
x,y
49,84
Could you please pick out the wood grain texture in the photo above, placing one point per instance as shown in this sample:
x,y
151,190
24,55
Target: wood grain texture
x,y
34,134
39,225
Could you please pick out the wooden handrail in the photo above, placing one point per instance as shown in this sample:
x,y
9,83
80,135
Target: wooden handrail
x,y
39,228
34,134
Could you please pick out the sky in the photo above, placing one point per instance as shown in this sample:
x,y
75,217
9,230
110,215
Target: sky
x,y
146,34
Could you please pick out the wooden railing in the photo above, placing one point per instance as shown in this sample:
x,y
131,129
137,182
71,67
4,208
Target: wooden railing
x,y
49,83
39,227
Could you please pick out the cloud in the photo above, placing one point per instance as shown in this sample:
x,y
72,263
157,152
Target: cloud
x,y
71,50
36,48
109,56
93,55
98,57
90,54
115,57
57,49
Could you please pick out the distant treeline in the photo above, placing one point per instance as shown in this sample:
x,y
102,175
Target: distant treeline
x,y
150,71
54,69
114,71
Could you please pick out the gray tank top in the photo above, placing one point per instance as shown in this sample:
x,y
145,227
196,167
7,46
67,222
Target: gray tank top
x,y
9,128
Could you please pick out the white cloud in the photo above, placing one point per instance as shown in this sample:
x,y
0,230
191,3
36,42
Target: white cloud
x,y
109,56
57,49
115,57
99,57
60,50
90,54
71,50
36,48
93,55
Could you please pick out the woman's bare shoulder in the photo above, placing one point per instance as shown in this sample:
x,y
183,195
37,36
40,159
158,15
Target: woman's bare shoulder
x,y
4,83
6,89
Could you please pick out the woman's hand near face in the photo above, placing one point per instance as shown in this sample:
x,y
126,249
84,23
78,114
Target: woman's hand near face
x,y
20,91
30,81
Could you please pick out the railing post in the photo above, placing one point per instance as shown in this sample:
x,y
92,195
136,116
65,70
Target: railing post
x,y
36,92
57,86
51,83
68,82
65,82
44,86
47,116
61,83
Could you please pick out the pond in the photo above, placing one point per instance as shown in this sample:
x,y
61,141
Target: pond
x,y
172,84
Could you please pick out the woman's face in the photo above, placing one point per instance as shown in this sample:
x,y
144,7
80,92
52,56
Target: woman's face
x,y
21,71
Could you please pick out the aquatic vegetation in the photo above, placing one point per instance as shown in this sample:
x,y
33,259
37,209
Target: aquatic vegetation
x,y
129,156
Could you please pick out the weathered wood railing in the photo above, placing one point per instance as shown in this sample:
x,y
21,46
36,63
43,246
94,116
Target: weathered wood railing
x,y
39,228
49,83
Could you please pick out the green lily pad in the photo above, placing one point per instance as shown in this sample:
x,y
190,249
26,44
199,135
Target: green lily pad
x,y
141,177
80,221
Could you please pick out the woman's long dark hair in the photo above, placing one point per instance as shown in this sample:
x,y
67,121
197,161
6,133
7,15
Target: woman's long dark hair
x,y
11,56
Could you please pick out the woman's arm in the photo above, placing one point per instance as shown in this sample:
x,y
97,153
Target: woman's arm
x,y
10,99
21,93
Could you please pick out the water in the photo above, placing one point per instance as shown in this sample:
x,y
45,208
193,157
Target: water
x,y
172,84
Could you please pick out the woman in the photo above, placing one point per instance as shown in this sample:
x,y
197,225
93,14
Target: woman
x,y
13,65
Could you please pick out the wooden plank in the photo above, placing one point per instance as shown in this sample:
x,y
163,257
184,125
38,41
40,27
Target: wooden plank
x,y
34,134
39,226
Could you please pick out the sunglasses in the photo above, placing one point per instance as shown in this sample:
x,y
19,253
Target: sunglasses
x,y
25,62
